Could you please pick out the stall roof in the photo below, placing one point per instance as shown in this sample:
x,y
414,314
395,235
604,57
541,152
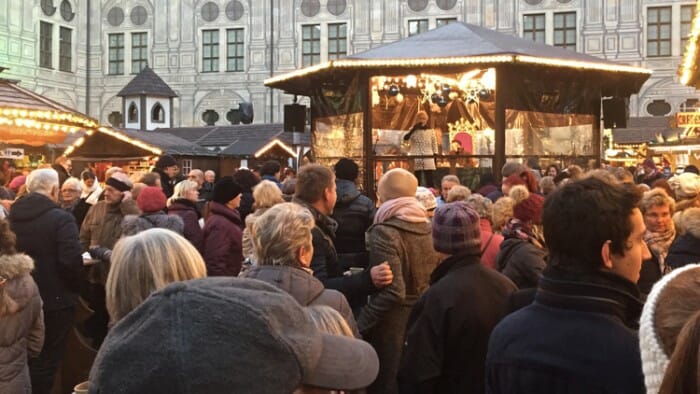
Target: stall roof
x,y
457,44
688,69
147,83
238,140
645,129
110,143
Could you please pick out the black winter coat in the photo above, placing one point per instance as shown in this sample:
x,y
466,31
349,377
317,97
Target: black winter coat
x,y
326,266
649,274
521,261
354,213
449,328
49,235
579,336
683,251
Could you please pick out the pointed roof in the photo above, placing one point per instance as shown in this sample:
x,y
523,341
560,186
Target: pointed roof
x,y
453,45
147,83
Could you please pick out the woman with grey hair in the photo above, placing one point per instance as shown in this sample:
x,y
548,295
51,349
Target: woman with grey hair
x,y
283,251
490,240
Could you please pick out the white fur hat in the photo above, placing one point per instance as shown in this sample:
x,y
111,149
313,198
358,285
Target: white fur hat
x,y
654,359
685,185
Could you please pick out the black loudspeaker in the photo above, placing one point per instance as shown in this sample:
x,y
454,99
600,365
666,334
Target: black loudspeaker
x,y
246,111
295,118
615,113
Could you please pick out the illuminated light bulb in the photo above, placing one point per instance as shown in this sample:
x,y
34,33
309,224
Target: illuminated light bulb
x,y
399,98
411,81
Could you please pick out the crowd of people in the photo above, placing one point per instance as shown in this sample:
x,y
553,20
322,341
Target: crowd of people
x,y
276,281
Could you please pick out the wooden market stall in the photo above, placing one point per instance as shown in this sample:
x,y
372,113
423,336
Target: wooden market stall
x,y
490,97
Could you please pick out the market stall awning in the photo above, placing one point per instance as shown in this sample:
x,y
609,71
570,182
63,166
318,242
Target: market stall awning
x,y
688,70
461,44
106,143
27,118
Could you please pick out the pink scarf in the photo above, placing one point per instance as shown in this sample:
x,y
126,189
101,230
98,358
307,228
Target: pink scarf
x,y
407,209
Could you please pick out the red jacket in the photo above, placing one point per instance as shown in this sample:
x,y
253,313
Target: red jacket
x,y
223,251
491,248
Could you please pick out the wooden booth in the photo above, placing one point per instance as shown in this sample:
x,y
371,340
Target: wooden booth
x,y
490,97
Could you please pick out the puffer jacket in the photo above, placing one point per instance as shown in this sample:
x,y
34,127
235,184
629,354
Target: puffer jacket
x,y
133,224
304,287
521,261
354,213
22,323
408,248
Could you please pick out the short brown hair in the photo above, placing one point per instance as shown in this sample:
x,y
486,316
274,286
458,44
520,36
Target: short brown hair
x,y
312,182
150,178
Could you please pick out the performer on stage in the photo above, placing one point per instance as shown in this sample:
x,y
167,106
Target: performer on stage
x,y
423,143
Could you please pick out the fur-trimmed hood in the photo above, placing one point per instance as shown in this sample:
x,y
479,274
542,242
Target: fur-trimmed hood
x,y
14,265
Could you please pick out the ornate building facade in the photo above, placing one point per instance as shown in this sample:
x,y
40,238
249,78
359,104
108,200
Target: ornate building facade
x,y
216,54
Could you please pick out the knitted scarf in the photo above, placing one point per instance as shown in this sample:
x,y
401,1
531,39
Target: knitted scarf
x,y
515,228
659,242
407,209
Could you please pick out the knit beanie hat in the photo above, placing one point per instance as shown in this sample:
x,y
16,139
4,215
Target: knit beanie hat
x,y
456,229
397,183
346,169
17,182
654,358
528,206
685,185
426,198
225,190
151,199
166,161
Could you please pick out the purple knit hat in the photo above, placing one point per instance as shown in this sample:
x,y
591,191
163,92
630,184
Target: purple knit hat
x,y
456,229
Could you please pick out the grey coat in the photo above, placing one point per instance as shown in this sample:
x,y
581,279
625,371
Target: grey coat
x,y
304,287
408,248
21,323
134,224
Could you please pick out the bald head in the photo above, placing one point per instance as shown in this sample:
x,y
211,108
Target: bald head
x,y
397,183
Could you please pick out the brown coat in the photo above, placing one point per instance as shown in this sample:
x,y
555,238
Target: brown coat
x,y
21,322
102,224
408,248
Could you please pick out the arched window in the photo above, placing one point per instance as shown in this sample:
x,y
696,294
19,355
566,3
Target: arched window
x,y
133,113
158,114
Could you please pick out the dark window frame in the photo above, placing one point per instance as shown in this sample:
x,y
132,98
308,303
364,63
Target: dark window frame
x,y
45,44
132,113
686,24
311,56
654,19
235,50
418,26
139,62
445,21
564,29
157,113
210,41
116,54
532,33
338,34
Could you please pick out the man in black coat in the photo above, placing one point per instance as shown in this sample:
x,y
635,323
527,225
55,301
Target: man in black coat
x,y
449,327
63,167
316,191
580,333
49,235
169,171
354,213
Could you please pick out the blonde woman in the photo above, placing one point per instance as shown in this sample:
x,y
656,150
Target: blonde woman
x,y
265,195
284,249
183,204
144,263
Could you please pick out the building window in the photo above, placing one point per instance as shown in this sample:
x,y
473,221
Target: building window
x,y
210,51
116,54
64,49
445,21
45,44
565,30
139,52
658,31
417,26
186,166
310,45
133,113
158,114
533,27
687,14
234,50
337,40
